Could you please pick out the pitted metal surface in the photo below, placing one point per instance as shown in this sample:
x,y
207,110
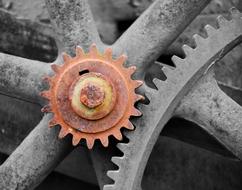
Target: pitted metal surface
x,y
68,96
163,102
143,42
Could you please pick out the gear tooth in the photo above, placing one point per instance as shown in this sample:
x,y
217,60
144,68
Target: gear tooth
x,y
55,68
221,20
104,140
136,112
121,59
168,71
235,13
109,53
62,133
138,83
75,140
122,146
93,50
117,160
46,108
118,135
112,174
53,122
130,126
46,94
198,39
79,51
177,61
149,91
67,58
132,69
187,49
139,97
109,187
47,78
90,142
210,30
157,83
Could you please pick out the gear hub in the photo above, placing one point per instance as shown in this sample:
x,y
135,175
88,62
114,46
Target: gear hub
x,y
92,96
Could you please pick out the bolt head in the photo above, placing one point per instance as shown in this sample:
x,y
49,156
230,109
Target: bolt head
x,y
92,95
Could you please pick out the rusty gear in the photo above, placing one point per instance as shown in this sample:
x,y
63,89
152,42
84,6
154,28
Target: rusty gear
x,y
92,96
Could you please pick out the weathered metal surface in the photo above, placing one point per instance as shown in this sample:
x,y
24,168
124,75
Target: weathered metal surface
x,y
100,122
215,112
176,165
34,158
170,93
131,9
14,129
22,78
77,163
41,147
92,95
173,87
74,24
191,133
234,92
19,37
116,9
150,35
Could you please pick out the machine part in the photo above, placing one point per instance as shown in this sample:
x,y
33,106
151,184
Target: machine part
x,y
163,21
92,96
187,73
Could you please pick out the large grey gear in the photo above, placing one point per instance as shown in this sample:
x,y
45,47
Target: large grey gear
x,y
196,66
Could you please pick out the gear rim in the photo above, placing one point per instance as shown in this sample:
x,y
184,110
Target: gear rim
x,y
189,70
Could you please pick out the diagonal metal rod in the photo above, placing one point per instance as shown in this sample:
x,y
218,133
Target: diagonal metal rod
x,y
209,107
154,31
74,24
22,78
21,36
35,158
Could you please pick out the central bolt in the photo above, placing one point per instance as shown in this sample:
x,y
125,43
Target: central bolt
x,y
92,95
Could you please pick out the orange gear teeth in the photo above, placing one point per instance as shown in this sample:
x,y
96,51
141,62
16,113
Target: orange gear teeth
x,y
92,96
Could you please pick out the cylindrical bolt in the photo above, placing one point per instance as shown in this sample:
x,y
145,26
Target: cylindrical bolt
x,y
92,95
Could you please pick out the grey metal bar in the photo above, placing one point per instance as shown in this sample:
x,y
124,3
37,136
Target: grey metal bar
x,y
209,107
74,24
152,33
39,153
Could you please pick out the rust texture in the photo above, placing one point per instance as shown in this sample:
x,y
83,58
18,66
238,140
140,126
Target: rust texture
x,y
92,95
109,113
143,42
93,109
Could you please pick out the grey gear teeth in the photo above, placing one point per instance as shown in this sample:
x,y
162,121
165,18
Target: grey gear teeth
x,y
163,102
